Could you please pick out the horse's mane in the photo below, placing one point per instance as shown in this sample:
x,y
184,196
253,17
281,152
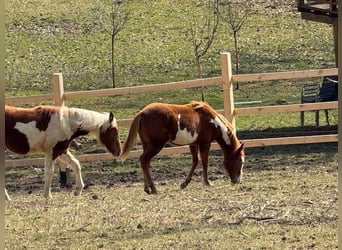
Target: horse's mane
x,y
225,121
86,119
199,105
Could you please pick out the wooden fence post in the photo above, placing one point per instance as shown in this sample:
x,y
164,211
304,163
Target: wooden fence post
x,y
227,87
58,89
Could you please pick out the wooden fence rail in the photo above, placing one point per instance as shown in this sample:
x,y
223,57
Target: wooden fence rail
x,y
226,80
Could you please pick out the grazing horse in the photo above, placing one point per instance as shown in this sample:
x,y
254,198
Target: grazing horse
x,y
50,129
195,124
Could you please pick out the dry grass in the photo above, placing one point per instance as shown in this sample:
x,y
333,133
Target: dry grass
x,y
288,201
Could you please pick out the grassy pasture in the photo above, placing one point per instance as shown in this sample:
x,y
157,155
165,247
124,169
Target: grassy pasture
x,y
289,196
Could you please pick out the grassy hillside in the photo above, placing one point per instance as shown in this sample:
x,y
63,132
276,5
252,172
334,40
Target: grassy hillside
x,y
75,38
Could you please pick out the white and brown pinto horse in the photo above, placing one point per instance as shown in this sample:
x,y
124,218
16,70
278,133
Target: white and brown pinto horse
x,y
50,129
195,124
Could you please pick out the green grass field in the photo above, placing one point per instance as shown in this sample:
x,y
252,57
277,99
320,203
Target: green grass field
x,y
289,197
154,48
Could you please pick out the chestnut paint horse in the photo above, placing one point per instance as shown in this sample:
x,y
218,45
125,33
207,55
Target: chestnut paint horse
x,y
195,124
50,129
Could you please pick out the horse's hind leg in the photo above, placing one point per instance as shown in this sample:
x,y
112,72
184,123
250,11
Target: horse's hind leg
x,y
149,186
145,159
63,173
194,153
76,167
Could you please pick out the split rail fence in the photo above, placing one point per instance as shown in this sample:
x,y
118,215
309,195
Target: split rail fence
x,y
226,80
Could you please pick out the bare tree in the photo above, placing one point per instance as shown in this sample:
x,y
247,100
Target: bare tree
x,y
202,32
234,17
202,36
119,19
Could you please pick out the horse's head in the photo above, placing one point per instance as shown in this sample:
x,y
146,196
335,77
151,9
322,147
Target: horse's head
x,y
109,135
233,164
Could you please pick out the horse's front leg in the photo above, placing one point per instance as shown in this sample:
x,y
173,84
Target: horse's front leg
x,y
204,153
48,172
194,153
70,159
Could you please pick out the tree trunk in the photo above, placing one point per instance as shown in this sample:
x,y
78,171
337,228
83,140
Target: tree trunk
x,y
236,56
113,61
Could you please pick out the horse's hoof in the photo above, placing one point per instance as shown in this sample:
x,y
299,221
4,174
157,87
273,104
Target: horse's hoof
x,y
184,184
207,184
77,192
48,197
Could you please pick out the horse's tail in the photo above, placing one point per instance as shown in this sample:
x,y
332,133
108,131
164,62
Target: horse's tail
x,y
132,134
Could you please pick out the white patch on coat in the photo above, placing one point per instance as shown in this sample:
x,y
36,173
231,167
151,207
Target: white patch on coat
x,y
34,136
57,130
224,130
62,126
183,136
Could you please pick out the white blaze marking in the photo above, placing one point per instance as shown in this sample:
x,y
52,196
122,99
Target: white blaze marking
x,y
183,136
243,163
224,130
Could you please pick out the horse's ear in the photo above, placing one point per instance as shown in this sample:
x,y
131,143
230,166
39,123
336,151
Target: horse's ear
x,y
111,117
242,146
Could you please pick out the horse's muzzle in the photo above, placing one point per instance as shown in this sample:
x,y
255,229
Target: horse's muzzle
x,y
236,180
116,153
